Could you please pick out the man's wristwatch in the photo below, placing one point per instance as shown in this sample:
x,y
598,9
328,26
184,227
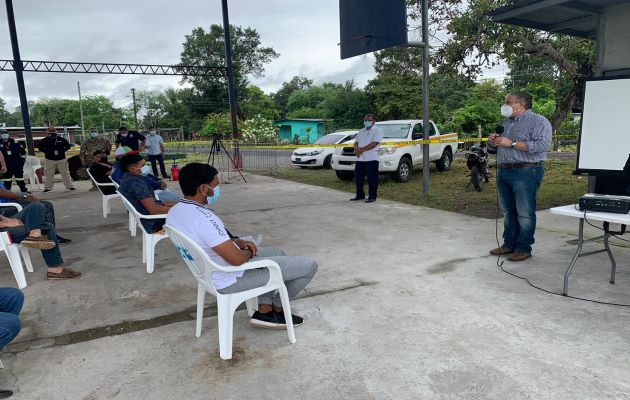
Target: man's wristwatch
x,y
513,144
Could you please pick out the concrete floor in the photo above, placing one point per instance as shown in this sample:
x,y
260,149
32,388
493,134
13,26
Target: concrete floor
x,y
406,305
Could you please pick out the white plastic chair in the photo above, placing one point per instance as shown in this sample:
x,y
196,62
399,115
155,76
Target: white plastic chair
x,y
105,197
149,240
132,221
202,267
13,251
32,164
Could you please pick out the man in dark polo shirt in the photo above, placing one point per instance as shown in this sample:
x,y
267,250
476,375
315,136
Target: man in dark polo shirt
x,y
521,149
54,148
132,139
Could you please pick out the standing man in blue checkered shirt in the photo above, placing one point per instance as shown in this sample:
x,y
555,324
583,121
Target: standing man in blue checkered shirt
x,y
521,150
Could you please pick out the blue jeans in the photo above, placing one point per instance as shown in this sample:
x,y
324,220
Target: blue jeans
x,y
517,195
361,169
11,301
34,217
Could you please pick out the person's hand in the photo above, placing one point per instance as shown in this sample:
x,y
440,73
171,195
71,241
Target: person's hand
x,y
3,169
492,137
9,222
358,152
32,198
162,185
247,245
503,141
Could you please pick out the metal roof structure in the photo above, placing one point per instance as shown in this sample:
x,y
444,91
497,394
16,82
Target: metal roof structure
x,y
570,17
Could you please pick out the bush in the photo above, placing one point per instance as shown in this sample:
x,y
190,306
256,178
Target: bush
x,y
258,129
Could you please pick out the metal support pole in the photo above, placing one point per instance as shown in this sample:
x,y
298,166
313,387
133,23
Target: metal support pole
x,y
425,96
135,110
81,109
18,67
229,68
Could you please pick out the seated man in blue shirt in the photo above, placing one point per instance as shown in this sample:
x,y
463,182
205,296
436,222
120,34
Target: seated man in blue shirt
x,y
11,301
156,184
136,189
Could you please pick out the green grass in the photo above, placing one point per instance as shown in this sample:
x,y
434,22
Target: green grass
x,y
448,189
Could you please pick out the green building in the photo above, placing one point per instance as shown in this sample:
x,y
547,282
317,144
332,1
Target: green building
x,y
307,130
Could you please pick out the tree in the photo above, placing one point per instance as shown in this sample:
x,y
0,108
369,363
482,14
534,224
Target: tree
x,y
281,97
217,123
206,48
255,102
474,42
480,108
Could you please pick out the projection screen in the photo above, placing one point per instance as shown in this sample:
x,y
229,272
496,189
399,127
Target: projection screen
x,y
604,142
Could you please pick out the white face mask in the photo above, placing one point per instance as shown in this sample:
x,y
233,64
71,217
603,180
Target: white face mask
x,y
94,134
4,136
507,110
145,170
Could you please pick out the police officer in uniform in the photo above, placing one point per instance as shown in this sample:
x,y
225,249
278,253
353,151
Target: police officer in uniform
x,y
14,155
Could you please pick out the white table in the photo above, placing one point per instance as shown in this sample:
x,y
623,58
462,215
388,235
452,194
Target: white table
x,y
572,211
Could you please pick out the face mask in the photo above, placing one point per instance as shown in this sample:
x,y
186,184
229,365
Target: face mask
x,y
145,170
367,124
507,110
4,136
94,134
215,196
123,134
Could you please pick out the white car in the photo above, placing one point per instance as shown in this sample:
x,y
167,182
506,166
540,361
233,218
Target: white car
x,y
314,156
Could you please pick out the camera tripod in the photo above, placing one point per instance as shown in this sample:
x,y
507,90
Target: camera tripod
x,y
215,150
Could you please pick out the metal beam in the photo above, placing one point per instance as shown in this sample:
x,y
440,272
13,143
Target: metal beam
x,y
518,11
584,7
547,27
115,69
568,24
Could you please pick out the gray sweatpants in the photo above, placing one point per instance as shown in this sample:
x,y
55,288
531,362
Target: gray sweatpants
x,y
297,272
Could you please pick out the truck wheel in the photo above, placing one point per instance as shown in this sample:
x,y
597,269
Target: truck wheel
x,y
476,178
404,170
345,175
327,162
444,163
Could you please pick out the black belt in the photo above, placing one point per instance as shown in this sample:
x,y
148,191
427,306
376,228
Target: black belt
x,y
520,165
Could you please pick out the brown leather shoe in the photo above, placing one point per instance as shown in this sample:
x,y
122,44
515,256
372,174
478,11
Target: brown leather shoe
x,y
519,256
65,273
501,250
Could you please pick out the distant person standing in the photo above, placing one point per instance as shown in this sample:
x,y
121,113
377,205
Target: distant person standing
x,y
155,149
14,155
132,139
54,148
366,146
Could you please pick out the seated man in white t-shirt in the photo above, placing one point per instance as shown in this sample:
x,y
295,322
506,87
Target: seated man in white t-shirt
x,y
200,186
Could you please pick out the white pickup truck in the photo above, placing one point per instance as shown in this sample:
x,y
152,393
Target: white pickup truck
x,y
399,160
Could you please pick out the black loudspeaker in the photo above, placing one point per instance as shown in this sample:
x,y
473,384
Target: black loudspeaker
x,y
369,25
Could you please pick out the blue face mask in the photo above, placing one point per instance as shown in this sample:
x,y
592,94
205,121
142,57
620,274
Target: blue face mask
x,y
145,170
367,124
215,196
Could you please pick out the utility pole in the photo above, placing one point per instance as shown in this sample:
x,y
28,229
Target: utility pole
x,y
81,108
135,110
425,97
229,67
18,67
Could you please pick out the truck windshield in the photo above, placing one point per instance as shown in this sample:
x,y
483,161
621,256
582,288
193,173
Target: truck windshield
x,y
394,131
329,139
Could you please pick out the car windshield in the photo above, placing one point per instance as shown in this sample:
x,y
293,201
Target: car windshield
x,y
329,139
394,131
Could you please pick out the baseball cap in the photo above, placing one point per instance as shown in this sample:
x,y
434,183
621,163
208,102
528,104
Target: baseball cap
x,y
124,150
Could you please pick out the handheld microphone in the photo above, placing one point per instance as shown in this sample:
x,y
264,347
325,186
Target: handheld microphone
x,y
499,129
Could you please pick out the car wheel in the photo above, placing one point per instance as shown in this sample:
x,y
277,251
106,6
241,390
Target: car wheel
x,y
327,162
444,163
476,178
345,175
404,170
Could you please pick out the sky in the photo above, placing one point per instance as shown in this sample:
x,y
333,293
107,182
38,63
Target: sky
x,y
305,33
